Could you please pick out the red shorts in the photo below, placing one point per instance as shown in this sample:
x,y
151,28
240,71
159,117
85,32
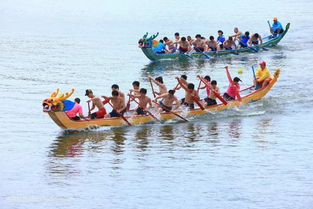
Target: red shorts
x,y
101,113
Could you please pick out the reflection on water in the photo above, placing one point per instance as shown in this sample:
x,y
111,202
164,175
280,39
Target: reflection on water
x,y
234,128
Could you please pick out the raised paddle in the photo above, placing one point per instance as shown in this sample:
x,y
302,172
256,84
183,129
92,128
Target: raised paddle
x,y
146,110
121,115
269,25
152,88
198,102
199,87
162,106
88,109
214,92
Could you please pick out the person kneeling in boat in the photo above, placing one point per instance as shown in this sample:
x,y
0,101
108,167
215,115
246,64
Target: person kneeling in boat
x,y
263,76
96,102
168,101
191,95
118,105
144,101
276,28
232,92
77,109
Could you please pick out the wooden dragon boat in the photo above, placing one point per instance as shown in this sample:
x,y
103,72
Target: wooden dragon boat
x,y
148,44
56,105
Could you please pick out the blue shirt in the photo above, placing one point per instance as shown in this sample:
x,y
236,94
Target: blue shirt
x,y
244,39
276,26
159,48
221,39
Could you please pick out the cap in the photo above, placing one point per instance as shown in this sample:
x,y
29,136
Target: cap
x,y
275,19
236,79
88,91
262,63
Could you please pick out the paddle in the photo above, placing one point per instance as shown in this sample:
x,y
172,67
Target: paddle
x,y
201,52
214,92
199,87
121,115
198,102
257,86
152,88
88,109
170,111
146,110
269,25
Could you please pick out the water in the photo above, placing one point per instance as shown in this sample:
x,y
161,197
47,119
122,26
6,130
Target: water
x,y
255,156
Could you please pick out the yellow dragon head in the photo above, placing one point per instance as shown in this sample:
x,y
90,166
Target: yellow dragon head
x,y
54,102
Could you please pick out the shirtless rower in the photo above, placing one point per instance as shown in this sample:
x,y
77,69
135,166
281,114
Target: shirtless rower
x,y
136,89
170,45
212,44
115,87
184,46
190,93
177,39
254,40
159,82
190,40
118,105
229,44
168,101
237,33
199,44
96,102
183,80
144,102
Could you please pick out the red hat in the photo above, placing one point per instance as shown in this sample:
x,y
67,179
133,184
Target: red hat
x,y
262,63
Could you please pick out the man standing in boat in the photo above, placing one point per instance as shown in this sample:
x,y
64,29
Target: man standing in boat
x,y
168,101
263,76
96,102
237,33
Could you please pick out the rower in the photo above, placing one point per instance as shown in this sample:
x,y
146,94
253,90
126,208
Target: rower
x,y
190,40
237,33
144,102
211,97
190,94
199,44
212,44
115,87
220,38
177,39
276,28
229,44
254,40
159,82
243,40
184,46
263,76
160,48
232,92
77,109
118,105
170,45
168,101
136,88
96,102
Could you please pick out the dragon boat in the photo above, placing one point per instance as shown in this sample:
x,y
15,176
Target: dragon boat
x,y
149,42
57,104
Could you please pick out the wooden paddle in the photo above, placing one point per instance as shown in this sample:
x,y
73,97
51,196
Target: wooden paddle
x,y
214,92
152,88
198,102
162,106
199,87
88,109
121,115
146,110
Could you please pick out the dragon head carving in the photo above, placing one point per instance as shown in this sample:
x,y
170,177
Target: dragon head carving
x,y
56,101
145,42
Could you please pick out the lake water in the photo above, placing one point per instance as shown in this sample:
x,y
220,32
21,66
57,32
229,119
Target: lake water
x,y
256,156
